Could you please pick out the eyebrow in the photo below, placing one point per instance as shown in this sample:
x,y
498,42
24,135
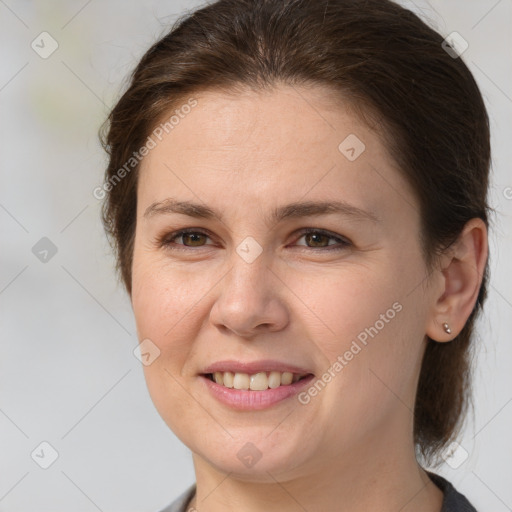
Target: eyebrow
x,y
290,211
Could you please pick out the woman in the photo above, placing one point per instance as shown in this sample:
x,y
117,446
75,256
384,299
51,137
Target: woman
x,y
297,194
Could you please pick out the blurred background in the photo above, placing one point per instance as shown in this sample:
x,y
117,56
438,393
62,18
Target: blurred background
x,y
78,430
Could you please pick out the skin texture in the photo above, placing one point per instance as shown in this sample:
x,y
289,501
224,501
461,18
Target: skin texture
x,y
350,448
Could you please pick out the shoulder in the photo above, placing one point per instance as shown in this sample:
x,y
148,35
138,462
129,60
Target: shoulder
x,y
453,500
181,502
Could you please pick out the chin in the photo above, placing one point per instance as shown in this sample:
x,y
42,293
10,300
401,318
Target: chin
x,y
253,458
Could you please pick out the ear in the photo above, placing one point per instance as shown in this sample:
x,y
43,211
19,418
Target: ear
x,y
459,277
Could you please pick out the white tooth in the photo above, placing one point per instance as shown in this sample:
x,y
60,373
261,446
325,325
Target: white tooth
x,y
274,380
228,379
241,381
286,378
256,382
259,381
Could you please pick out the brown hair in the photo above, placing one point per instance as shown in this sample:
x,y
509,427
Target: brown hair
x,y
392,67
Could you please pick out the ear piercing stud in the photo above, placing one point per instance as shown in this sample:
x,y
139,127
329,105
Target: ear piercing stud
x,y
447,328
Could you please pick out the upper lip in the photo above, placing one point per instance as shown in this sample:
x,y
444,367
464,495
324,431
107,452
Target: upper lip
x,y
252,367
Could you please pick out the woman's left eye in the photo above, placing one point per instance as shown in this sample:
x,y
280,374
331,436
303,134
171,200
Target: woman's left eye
x,y
318,237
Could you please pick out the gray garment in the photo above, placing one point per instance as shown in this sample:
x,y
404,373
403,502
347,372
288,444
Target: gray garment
x,y
181,502
453,501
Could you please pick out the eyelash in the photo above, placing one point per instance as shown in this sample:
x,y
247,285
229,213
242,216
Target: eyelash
x,y
167,240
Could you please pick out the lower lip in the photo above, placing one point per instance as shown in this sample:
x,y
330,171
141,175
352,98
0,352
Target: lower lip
x,y
245,400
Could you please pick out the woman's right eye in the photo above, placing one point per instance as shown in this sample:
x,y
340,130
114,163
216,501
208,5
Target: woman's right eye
x,y
189,238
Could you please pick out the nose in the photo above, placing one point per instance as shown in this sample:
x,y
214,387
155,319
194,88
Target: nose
x,y
250,300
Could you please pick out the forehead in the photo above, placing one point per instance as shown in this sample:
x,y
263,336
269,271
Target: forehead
x,y
263,146
274,121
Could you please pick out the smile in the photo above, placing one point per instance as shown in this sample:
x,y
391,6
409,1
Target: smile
x,y
253,392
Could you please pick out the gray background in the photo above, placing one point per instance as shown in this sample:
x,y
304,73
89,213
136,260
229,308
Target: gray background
x,y
68,375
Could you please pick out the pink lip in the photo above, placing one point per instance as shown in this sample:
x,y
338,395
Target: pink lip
x,y
265,365
246,400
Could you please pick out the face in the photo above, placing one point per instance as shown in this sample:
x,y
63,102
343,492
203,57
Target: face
x,y
270,279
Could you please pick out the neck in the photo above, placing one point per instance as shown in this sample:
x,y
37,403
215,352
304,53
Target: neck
x,y
365,479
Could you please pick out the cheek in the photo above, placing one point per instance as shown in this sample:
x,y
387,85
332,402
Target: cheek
x,y
370,324
163,301
344,302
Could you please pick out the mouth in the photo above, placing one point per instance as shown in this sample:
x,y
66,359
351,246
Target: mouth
x,y
260,381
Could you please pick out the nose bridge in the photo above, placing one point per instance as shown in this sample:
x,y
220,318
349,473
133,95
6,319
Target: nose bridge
x,y
249,274
249,264
248,296
248,285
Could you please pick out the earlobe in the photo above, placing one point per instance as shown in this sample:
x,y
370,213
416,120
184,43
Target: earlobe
x,y
462,273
